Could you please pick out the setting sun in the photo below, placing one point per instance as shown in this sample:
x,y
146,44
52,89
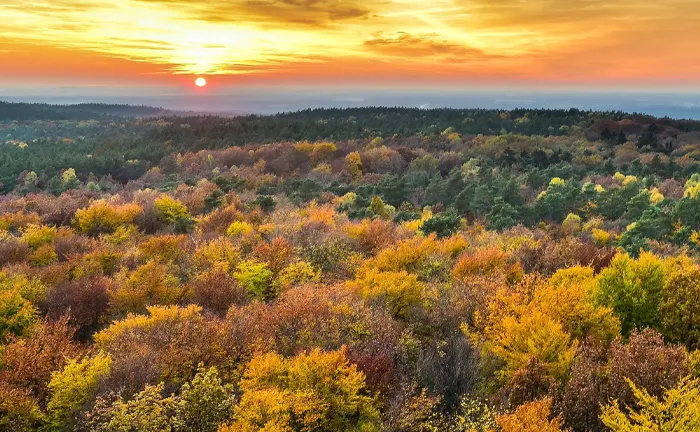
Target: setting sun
x,y
200,82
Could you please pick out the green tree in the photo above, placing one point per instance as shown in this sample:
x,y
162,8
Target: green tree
x,y
393,190
653,224
637,205
256,278
502,216
444,224
482,200
205,403
148,411
633,289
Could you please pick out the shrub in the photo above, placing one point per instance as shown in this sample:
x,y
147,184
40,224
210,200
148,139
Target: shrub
x,y
518,339
571,224
372,235
481,262
276,253
147,411
32,289
473,415
599,375
204,403
27,363
169,249
297,273
167,344
36,236
219,253
679,306
12,250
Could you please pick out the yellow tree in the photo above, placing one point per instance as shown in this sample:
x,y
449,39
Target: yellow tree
x,y
531,417
74,385
399,290
316,391
353,165
678,411
103,217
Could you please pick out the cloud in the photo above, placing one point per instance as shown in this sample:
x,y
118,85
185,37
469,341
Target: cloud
x,y
538,39
405,45
297,13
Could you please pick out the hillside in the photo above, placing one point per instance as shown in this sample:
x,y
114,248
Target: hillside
x,y
362,269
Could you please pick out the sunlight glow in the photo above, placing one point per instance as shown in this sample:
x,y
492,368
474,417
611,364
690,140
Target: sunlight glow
x,y
538,39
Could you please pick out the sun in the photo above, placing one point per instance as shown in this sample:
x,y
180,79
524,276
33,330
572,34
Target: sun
x,y
200,82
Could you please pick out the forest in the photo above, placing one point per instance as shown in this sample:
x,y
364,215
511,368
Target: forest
x,y
370,269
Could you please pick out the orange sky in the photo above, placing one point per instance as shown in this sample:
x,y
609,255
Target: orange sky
x,y
336,42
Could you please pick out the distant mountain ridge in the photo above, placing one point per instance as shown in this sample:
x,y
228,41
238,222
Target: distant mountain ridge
x,y
20,111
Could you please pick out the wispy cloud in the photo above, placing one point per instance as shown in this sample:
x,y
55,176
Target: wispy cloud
x,y
575,39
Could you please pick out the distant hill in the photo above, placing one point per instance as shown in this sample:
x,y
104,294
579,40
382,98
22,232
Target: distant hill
x,y
10,111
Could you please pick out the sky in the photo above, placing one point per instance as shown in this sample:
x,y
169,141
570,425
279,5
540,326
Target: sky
x,y
345,43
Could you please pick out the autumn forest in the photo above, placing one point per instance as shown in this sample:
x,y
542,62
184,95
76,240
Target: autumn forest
x,y
370,269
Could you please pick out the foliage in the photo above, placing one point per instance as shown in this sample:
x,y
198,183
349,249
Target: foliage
x,y
150,284
256,278
599,375
443,225
679,410
399,290
103,217
296,273
533,416
147,411
74,385
679,305
633,289
219,253
172,212
313,391
238,229
202,405
17,315
180,248
216,290
516,340
473,415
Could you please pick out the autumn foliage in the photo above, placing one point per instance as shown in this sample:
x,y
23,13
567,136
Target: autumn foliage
x,y
353,274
